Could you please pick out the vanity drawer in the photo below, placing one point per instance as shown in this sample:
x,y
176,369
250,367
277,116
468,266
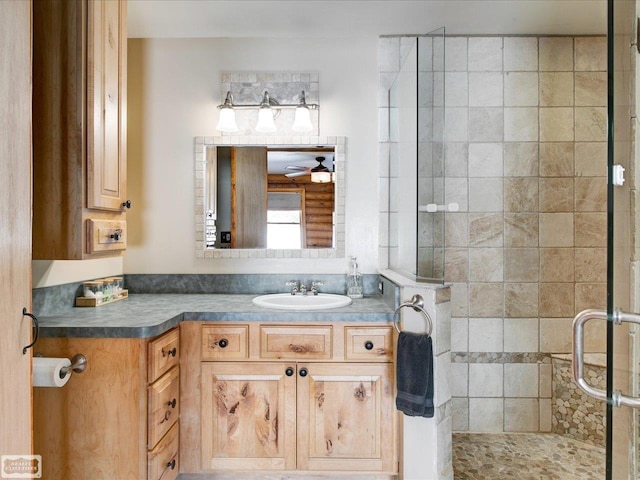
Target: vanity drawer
x,y
295,342
164,353
225,342
106,236
369,343
164,405
164,460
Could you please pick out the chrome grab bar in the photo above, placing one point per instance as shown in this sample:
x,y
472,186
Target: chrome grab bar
x,y
577,353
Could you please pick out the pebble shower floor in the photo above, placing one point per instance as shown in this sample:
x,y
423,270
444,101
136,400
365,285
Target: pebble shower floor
x,y
525,456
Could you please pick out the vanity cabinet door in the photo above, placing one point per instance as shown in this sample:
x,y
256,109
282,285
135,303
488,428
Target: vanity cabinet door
x,y
106,104
248,416
345,420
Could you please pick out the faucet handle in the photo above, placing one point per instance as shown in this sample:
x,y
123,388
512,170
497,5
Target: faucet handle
x,y
293,284
314,287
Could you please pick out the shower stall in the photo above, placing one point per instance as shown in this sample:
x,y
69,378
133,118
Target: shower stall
x,y
540,267
416,160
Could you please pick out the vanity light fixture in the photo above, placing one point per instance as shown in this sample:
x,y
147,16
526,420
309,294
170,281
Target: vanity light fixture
x,y
266,108
302,120
265,116
227,117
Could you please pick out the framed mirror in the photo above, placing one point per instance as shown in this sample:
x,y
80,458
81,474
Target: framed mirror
x,y
269,197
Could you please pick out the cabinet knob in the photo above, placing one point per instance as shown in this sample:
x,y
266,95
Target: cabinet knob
x,y
368,345
289,372
172,403
172,464
223,343
116,234
170,353
126,204
303,372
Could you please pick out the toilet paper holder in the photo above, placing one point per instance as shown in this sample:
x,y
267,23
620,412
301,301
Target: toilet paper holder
x,y
78,365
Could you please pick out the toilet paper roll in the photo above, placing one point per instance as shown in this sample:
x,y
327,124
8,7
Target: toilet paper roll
x,y
46,372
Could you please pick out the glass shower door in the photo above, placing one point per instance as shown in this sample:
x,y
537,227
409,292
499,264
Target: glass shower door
x,y
622,279
416,160
623,262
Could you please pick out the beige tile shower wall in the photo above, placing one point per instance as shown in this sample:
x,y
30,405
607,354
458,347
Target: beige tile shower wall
x,y
526,161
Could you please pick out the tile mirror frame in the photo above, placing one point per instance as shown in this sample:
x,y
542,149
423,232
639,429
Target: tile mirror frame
x,y
201,144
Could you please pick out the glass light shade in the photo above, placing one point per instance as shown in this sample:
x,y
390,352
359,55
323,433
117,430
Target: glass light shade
x,y
320,177
265,120
227,120
302,120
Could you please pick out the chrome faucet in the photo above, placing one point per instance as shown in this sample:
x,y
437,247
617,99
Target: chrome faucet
x,y
314,287
299,288
294,284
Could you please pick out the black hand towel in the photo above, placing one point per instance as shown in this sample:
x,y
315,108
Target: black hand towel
x,y
414,375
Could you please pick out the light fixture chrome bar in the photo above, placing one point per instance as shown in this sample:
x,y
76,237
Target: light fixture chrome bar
x,y
228,102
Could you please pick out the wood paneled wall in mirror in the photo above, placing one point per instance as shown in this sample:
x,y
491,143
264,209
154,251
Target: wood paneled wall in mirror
x,y
280,198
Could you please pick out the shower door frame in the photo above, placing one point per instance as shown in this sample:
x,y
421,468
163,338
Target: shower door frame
x,y
416,122
622,277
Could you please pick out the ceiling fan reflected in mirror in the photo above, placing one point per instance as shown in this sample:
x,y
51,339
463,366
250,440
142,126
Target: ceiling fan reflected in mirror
x,y
319,173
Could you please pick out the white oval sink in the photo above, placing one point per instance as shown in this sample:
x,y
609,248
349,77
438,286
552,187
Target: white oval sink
x,y
286,301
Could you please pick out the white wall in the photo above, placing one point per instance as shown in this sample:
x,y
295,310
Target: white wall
x,y
46,273
174,88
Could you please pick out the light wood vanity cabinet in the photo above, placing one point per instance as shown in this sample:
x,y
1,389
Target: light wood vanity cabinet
x,y
163,406
79,128
297,397
119,418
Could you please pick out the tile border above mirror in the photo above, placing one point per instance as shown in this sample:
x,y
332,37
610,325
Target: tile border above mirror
x,y
200,145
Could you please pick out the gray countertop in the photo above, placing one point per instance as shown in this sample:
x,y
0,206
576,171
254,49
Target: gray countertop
x,y
148,315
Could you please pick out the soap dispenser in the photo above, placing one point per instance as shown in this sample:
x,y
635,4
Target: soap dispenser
x,y
354,280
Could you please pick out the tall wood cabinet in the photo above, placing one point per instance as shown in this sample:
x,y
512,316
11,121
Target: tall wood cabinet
x,y
79,128
319,400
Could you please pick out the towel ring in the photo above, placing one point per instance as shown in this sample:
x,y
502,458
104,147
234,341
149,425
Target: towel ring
x,y
417,303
